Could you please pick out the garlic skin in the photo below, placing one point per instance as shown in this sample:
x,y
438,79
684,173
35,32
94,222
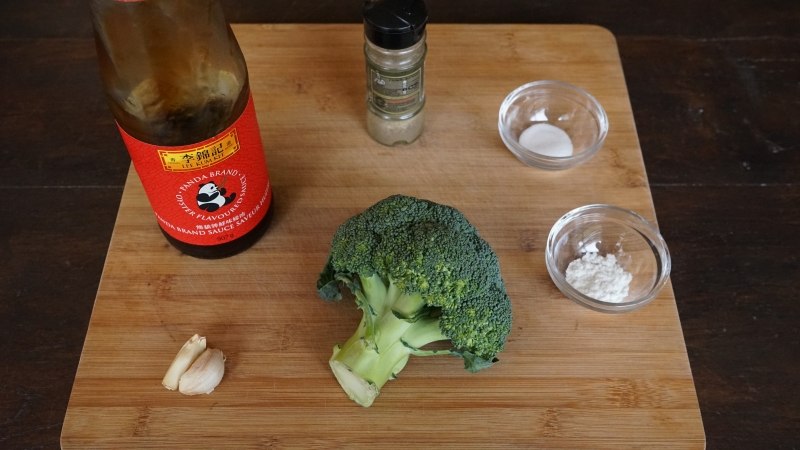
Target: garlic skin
x,y
190,351
204,374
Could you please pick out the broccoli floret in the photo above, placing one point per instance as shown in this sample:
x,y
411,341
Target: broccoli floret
x,y
420,273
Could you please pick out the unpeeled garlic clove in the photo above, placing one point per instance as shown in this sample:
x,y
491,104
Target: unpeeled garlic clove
x,y
183,360
204,374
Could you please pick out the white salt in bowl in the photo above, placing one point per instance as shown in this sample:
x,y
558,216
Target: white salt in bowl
x,y
607,230
541,120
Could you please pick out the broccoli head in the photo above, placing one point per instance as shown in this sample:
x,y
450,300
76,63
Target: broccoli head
x,y
420,274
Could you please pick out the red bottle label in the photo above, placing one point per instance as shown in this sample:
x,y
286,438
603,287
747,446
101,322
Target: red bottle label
x,y
211,192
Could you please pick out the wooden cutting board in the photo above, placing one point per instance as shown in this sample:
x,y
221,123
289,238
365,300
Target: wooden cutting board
x,y
569,378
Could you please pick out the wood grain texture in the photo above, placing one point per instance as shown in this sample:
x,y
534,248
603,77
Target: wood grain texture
x,y
569,378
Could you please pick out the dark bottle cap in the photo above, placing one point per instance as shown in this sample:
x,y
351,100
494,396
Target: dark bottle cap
x,y
394,24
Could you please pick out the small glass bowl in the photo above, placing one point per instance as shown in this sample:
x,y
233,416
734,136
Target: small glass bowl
x,y
559,104
605,229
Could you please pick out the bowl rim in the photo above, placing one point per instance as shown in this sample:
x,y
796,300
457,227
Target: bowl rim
x,y
636,221
532,158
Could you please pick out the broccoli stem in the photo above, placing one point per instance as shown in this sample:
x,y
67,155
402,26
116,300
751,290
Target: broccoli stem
x,y
381,346
408,306
424,332
375,293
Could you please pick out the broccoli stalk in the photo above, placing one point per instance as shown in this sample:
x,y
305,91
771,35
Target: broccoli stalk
x,y
393,327
420,274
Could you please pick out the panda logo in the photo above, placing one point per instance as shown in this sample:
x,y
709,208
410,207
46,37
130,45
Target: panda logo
x,y
211,198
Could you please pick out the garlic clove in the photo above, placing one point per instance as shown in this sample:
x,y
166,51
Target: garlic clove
x,y
185,357
204,374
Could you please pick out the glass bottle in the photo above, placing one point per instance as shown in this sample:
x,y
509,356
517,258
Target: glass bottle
x,y
177,84
394,49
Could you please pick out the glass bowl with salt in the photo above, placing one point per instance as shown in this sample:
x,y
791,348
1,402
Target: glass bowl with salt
x,y
552,124
607,258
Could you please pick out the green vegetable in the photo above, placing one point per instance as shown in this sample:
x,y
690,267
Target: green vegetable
x,y
420,273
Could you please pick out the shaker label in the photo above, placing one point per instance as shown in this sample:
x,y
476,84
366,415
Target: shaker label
x,y
201,157
211,192
395,94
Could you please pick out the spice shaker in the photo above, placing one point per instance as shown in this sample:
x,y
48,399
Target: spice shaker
x,y
394,49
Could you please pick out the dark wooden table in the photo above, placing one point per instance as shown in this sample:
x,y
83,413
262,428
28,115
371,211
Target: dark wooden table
x,y
715,88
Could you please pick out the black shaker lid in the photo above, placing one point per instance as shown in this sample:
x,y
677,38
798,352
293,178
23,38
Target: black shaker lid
x,y
394,24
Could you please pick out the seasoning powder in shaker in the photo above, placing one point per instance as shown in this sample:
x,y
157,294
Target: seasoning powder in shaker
x,y
394,32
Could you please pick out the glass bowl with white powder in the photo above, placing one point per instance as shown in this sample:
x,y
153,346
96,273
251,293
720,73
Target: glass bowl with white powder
x,y
607,258
552,124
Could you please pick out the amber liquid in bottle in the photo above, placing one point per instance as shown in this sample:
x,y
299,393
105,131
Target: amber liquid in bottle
x,y
174,75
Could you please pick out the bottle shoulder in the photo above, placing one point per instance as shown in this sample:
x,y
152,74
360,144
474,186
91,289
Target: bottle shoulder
x,y
390,59
173,73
